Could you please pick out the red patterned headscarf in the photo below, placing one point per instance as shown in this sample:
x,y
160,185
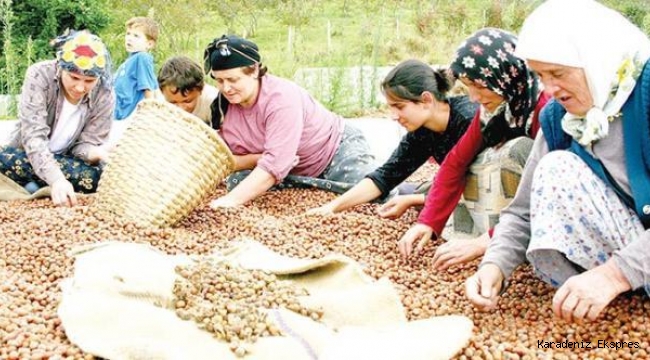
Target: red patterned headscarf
x,y
83,53
487,58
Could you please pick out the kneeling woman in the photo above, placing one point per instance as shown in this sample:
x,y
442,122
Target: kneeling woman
x,y
582,214
417,97
65,114
278,133
494,148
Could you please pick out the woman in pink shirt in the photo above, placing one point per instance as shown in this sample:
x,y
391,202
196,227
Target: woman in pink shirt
x,y
280,135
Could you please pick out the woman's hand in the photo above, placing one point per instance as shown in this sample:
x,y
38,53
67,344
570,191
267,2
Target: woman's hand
x,y
482,289
414,239
327,209
63,193
457,252
586,295
224,202
398,205
98,154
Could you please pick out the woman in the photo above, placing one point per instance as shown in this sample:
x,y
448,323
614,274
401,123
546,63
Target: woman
x,y
278,133
582,213
417,97
498,142
65,114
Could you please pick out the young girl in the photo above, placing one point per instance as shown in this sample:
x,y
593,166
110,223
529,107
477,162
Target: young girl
x,y
499,140
417,97
65,114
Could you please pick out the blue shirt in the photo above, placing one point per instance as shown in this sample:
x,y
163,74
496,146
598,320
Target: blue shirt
x,y
133,77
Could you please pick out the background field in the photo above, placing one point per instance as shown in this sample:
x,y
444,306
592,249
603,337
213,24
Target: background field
x,y
295,36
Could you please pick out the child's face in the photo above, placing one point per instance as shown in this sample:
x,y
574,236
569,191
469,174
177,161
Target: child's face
x,y
175,97
135,41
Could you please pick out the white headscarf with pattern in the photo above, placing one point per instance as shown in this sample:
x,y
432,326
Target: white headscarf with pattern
x,y
585,34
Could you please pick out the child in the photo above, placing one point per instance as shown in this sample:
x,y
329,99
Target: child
x,y
135,79
182,84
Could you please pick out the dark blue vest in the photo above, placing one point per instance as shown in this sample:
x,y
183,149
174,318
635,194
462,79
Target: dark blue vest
x,y
636,137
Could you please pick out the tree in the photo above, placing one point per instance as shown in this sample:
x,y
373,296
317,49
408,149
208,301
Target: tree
x,y
43,20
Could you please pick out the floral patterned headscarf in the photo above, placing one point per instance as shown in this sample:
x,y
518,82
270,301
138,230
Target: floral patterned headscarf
x,y
487,59
608,47
83,53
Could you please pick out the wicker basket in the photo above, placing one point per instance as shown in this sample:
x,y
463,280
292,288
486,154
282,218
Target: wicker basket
x,y
166,162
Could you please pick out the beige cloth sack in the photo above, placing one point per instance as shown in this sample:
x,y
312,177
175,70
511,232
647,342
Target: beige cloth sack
x,y
492,182
9,191
117,305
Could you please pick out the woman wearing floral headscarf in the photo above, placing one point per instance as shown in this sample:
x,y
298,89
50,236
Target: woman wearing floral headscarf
x,y
495,146
582,212
65,113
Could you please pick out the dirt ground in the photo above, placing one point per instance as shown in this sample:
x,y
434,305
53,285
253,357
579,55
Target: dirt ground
x,y
35,238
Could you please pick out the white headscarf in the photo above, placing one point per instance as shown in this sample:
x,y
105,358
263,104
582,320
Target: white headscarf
x,y
585,34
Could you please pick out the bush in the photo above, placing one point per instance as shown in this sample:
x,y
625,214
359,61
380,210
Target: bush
x,y
43,20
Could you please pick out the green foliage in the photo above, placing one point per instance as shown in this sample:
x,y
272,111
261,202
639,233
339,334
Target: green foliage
x,y
179,21
292,34
296,13
53,17
240,17
34,23
9,71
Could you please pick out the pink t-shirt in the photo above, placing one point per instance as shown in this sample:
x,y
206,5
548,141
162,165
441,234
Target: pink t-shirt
x,y
294,133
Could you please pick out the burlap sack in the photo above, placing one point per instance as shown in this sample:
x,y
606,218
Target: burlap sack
x,y
118,303
9,191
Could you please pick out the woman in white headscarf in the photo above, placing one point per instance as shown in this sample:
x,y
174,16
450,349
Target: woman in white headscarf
x,y
581,215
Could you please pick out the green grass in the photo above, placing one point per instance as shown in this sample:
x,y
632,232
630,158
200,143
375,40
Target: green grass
x,y
362,32
370,33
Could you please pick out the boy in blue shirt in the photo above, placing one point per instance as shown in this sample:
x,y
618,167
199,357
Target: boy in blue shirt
x,y
135,78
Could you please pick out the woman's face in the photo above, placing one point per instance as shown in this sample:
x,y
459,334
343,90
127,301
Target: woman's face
x,y
481,94
411,115
75,86
237,86
186,102
567,84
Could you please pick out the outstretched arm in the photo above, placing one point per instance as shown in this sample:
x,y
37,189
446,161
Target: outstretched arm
x,y
255,184
246,162
361,193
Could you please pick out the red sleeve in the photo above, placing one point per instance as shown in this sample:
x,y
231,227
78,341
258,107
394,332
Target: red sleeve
x,y
449,182
534,126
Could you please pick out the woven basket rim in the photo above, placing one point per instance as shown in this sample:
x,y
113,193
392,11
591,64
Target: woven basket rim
x,y
179,157
189,118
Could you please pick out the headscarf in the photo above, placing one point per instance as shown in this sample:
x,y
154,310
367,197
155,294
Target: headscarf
x,y
608,47
487,58
83,53
229,52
